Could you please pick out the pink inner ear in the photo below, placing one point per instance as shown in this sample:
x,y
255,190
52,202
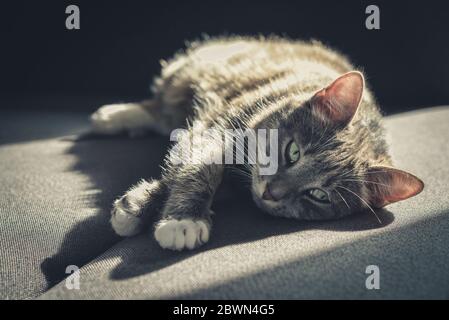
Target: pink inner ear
x,y
390,185
338,102
405,186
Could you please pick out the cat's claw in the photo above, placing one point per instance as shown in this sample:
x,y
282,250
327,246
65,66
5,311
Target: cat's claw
x,y
182,234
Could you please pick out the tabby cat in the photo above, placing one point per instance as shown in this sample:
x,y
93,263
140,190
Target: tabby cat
x,y
333,159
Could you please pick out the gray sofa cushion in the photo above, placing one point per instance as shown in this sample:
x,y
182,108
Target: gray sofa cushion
x,y
54,209
56,196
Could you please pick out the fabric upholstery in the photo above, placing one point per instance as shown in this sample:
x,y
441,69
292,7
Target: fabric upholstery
x,y
56,194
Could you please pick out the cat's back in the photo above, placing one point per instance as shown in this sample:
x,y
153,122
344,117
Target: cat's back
x,y
225,65
237,73
235,51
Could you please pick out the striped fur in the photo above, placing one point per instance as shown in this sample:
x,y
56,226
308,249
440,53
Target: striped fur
x,y
243,82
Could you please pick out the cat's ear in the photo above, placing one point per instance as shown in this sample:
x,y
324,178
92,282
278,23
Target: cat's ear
x,y
338,103
387,185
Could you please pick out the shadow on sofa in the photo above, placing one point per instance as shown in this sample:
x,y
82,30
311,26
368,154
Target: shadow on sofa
x,y
113,164
410,261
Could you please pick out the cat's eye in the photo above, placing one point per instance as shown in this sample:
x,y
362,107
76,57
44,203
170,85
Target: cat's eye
x,y
318,195
292,152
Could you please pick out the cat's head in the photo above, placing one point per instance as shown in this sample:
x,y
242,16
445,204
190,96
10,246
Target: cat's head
x,y
331,162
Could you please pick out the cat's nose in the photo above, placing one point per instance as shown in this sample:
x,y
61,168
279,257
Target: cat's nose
x,y
267,194
271,194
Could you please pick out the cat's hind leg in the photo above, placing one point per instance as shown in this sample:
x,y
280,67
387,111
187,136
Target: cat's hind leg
x,y
135,119
171,105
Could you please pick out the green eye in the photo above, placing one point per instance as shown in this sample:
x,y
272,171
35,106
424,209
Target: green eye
x,y
292,152
318,195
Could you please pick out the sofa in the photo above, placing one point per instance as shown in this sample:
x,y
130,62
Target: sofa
x,y
56,191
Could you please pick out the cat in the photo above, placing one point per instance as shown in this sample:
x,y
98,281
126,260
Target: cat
x,y
333,157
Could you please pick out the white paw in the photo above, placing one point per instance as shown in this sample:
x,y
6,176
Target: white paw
x,y
180,234
116,118
124,223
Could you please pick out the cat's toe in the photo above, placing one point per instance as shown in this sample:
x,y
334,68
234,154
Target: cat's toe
x,y
124,223
182,234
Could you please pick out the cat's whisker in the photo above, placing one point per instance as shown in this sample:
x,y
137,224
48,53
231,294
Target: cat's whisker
x,y
361,199
366,181
345,174
342,198
321,136
250,155
243,149
377,171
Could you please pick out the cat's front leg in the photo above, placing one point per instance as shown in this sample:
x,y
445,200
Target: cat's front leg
x,y
182,233
133,211
186,218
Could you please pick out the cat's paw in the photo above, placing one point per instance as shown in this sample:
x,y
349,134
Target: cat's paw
x,y
116,118
182,234
124,222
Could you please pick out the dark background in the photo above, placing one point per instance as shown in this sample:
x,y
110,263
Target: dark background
x,y
117,51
